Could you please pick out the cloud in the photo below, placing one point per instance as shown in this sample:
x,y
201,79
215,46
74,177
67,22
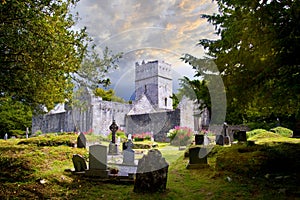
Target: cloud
x,y
147,30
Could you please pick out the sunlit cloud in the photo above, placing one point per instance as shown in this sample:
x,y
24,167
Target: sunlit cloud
x,y
148,30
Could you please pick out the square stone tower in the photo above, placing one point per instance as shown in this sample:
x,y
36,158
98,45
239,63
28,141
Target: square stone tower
x,y
154,79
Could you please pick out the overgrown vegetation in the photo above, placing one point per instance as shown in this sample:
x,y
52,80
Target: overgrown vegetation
x,y
30,170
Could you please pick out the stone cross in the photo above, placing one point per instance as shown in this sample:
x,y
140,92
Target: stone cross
x,y
113,127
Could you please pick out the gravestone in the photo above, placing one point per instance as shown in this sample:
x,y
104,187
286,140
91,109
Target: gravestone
x,y
242,136
5,136
197,158
128,157
79,163
124,146
226,140
296,129
152,173
127,145
113,149
219,140
206,140
81,141
97,161
199,139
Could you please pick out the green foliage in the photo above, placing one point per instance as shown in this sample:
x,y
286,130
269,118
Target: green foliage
x,y
255,172
261,124
93,70
196,90
142,136
264,134
257,57
119,133
282,131
51,140
144,145
108,95
39,48
175,100
17,169
258,160
180,136
15,117
255,132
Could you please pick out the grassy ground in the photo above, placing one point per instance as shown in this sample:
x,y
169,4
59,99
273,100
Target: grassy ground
x,y
31,169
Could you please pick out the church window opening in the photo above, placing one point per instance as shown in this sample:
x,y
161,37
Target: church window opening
x,y
145,89
166,102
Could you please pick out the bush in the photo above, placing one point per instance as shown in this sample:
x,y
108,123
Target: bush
x,y
265,134
142,136
51,140
180,136
261,125
285,132
255,132
119,133
17,133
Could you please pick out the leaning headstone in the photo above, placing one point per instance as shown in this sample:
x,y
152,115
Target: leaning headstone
x,y
128,157
219,140
152,173
199,139
197,158
79,163
81,141
5,136
97,161
242,136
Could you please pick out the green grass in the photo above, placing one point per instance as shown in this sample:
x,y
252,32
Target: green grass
x,y
23,165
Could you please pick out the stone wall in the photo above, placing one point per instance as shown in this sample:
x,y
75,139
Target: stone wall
x,y
186,108
103,114
53,122
159,123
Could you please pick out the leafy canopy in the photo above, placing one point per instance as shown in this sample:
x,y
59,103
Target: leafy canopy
x,y
257,56
38,50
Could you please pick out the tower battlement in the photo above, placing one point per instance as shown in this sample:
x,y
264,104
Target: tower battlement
x,y
154,79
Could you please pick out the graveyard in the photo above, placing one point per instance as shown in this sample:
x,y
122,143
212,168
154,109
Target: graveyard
x,y
41,167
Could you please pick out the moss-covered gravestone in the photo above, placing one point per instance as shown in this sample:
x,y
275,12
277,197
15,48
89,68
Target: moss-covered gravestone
x,y
152,173
197,158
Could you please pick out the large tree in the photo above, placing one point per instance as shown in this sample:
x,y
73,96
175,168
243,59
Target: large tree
x,y
38,50
258,56
42,57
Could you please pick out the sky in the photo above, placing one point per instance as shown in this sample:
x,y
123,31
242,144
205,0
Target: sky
x,y
147,30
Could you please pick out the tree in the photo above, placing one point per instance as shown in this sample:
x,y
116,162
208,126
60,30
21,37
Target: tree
x,y
94,69
42,57
15,117
108,95
38,51
257,56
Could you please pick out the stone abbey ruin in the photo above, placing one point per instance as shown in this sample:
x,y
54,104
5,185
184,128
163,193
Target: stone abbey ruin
x,y
151,111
